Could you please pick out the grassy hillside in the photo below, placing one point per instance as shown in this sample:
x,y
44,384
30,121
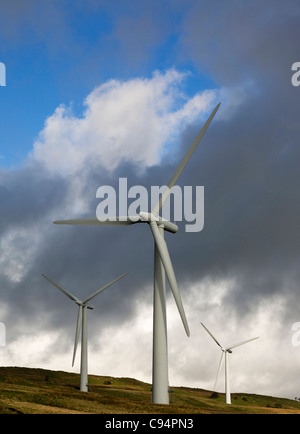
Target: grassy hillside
x,y
39,391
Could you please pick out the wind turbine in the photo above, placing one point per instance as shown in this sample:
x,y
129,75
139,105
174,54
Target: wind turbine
x,y
162,266
82,327
226,351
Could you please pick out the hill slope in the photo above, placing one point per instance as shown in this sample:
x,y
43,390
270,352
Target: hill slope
x,y
39,391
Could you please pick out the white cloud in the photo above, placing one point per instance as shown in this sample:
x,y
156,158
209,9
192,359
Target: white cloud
x,y
130,120
36,350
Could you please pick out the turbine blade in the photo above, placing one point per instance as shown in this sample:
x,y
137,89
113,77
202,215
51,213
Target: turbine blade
x,y
212,335
242,343
77,334
156,210
67,293
120,221
165,258
219,368
103,288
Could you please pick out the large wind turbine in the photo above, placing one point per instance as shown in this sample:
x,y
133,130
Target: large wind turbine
x,y
162,266
226,351
82,327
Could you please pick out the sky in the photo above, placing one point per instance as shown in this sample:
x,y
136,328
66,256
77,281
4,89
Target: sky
x,y
102,90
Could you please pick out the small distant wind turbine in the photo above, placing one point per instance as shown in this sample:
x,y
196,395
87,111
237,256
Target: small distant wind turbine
x,y
226,351
82,324
162,267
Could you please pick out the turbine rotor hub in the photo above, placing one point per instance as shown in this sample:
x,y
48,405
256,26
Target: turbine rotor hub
x,y
160,221
148,217
80,303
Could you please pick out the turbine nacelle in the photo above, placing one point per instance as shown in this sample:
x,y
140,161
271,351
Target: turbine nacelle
x,y
150,217
88,306
226,350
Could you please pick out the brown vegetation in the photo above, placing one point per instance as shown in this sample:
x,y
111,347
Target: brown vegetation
x,y
38,391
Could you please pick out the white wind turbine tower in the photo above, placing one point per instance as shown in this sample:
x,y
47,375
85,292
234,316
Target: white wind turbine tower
x,y
162,266
226,351
81,327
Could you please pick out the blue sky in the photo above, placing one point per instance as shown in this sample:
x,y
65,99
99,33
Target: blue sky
x,y
98,90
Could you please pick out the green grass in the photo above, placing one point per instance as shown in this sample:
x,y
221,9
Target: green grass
x,y
38,391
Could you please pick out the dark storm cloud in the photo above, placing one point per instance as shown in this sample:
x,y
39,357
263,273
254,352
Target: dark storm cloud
x,y
30,22
251,220
81,259
249,165
238,40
